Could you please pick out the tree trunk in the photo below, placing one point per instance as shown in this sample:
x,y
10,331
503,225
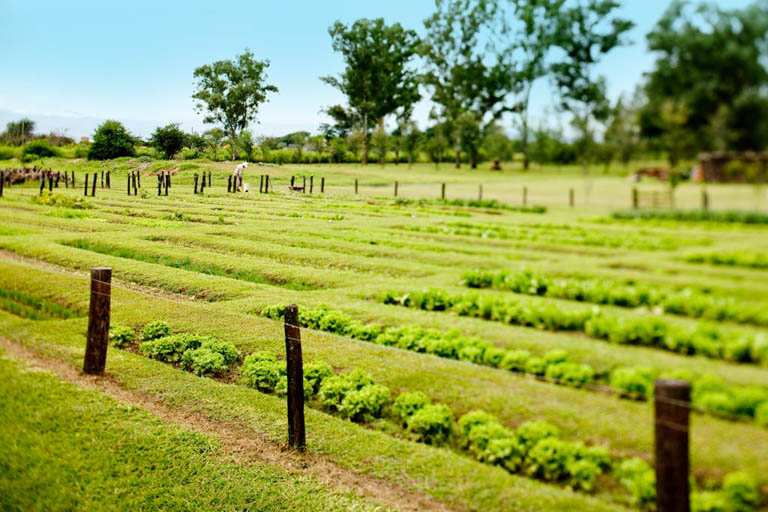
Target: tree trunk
x,y
235,153
524,144
473,161
458,158
397,155
365,139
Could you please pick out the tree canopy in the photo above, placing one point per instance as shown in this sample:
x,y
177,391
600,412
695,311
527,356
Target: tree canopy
x,y
229,93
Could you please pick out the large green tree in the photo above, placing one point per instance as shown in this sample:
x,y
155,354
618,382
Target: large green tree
x,y
229,93
470,83
18,132
584,31
168,139
707,89
111,140
377,79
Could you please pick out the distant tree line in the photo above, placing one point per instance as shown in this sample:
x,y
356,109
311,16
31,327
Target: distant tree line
x,y
477,63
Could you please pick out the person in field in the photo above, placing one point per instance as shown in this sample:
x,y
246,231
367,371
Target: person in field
x,y
237,176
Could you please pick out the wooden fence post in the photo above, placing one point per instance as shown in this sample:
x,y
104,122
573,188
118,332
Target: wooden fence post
x,y
672,399
395,188
322,185
135,184
98,321
293,179
129,183
261,184
58,177
229,184
304,185
102,179
295,373
167,182
311,183
109,181
195,183
138,178
525,196
42,184
571,198
480,193
202,184
704,200
86,184
210,179
355,186
634,198
2,182
159,184
93,189
73,179
266,184
66,179
442,192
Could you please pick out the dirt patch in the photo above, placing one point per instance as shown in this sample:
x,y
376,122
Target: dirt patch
x,y
238,445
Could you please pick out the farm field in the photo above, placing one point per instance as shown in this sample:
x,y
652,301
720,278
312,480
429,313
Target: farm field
x,y
562,315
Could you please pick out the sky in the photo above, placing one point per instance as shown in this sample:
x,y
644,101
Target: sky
x,y
71,65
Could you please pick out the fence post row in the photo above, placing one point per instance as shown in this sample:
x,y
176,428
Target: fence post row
x,y
98,321
672,399
295,376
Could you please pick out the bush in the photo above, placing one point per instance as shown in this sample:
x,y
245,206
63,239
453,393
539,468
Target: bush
x,y
365,403
315,373
204,361
408,403
741,492
639,479
432,423
531,432
634,382
36,150
168,140
170,348
155,330
227,350
121,336
111,140
261,371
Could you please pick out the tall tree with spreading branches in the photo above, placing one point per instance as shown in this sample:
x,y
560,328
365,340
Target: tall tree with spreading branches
x,y
229,93
377,80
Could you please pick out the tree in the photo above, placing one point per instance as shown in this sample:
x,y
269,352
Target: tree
x,y
710,66
245,142
168,139
376,80
18,132
622,133
344,121
526,39
585,32
412,140
230,93
381,142
469,84
111,140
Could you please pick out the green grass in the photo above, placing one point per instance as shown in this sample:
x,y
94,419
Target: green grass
x,y
226,256
69,449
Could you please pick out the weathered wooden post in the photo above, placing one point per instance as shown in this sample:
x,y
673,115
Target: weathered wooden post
x,y
58,177
442,192
129,183
634,198
210,179
202,185
2,182
704,200
167,182
355,186
195,183
93,189
42,184
395,188
322,185
303,184
138,178
73,179
66,179
480,193
261,184
135,185
571,199
86,184
102,179
672,406
525,196
98,321
229,184
311,184
266,184
50,181
295,373
160,184
292,181
109,181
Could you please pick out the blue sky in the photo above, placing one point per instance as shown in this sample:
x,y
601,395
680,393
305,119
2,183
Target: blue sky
x,y
71,64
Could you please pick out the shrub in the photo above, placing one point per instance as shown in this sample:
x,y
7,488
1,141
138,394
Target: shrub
x,y
634,382
315,373
154,330
111,140
432,423
227,350
408,403
261,371
168,140
365,403
203,361
531,432
741,492
37,149
639,479
515,360
121,336
170,348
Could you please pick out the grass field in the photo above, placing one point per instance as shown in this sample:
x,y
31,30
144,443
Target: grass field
x,y
628,300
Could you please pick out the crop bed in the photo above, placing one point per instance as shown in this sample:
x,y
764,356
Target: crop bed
x,y
569,320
